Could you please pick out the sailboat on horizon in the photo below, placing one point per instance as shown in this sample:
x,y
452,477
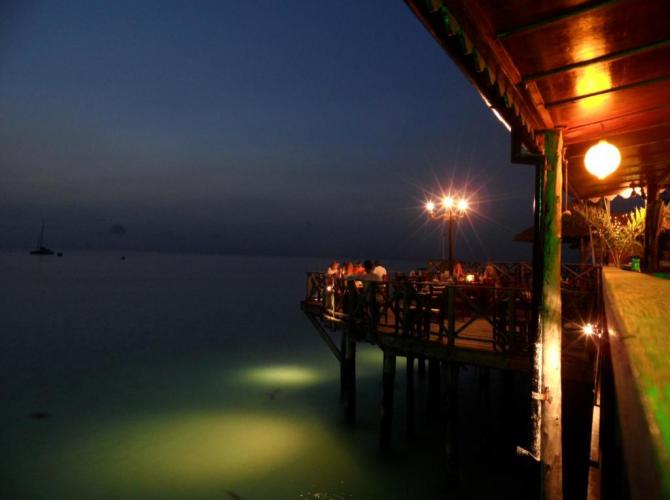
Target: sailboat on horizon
x,y
41,249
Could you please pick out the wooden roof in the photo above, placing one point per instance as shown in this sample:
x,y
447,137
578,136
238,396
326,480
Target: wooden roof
x,y
596,69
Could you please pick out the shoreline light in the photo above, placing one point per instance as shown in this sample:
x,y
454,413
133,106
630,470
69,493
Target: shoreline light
x,y
588,329
602,159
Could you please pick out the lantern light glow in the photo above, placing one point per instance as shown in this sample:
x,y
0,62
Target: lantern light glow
x,y
602,159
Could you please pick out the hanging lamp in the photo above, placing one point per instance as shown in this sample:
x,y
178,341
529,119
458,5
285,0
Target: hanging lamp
x,y
602,159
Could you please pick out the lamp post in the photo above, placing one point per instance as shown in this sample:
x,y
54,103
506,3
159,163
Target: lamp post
x,y
448,210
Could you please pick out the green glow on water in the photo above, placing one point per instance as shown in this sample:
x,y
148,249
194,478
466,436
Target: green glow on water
x,y
166,456
283,375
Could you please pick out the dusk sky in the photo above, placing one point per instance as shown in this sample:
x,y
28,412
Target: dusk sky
x,y
287,128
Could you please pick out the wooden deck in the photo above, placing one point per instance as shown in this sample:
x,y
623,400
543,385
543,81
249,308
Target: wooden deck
x,y
476,343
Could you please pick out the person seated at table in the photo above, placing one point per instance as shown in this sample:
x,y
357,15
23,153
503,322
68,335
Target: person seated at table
x,y
348,270
490,275
458,274
359,268
368,274
379,270
333,269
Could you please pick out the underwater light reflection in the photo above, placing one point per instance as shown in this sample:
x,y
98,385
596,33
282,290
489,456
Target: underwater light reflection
x,y
179,452
293,375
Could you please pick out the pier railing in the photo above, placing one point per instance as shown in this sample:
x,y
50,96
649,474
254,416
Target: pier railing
x,y
493,312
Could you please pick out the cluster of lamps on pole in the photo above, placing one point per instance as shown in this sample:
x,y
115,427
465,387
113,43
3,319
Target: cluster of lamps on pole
x,y
448,210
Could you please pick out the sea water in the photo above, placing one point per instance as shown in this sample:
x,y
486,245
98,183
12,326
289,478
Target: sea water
x,y
161,376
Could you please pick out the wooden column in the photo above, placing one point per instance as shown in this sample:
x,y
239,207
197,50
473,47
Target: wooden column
x,y
410,395
350,378
651,227
343,367
433,386
450,371
550,322
387,401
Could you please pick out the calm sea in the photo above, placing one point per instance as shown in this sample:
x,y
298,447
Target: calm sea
x,y
198,377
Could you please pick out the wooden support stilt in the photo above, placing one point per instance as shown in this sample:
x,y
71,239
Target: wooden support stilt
x,y
484,403
422,367
387,401
433,387
451,421
651,227
350,376
507,418
550,323
410,395
343,367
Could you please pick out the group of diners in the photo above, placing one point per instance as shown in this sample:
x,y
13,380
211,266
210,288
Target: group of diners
x,y
359,271
439,271
370,270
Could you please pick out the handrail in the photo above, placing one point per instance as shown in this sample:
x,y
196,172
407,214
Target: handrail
x,y
635,407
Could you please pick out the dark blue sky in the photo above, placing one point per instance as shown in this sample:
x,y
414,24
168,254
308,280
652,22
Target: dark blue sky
x,y
303,128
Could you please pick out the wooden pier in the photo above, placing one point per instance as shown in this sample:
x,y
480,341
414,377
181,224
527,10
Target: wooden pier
x,y
445,325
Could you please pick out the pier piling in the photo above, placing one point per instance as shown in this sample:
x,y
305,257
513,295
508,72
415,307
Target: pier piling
x,y
410,395
434,386
387,400
350,378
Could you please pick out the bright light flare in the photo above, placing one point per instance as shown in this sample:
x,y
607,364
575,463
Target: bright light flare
x,y
626,193
469,278
447,202
602,159
430,206
463,205
588,329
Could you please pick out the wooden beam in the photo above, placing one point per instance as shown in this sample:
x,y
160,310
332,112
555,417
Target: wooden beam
x,y
642,83
612,56
561,16
324,335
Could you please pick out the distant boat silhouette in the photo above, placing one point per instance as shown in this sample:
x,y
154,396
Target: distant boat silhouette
x,y
41,249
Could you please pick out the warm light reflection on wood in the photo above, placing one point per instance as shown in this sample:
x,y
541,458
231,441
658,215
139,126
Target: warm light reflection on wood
x,y
590,80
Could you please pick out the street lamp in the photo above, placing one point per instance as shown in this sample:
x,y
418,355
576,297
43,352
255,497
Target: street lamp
x,y
448,210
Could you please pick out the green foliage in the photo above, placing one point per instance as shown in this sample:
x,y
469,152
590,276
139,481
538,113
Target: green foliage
x,y
620,234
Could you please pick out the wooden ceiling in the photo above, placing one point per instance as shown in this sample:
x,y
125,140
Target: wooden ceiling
x,y
596,69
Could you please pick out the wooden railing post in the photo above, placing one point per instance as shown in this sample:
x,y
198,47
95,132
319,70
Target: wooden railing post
x,y
451,314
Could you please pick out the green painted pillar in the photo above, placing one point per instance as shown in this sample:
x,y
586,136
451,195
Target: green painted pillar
x,y
651,227
550,322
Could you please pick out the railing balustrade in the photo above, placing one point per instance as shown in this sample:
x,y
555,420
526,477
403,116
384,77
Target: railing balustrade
x,y
446,311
